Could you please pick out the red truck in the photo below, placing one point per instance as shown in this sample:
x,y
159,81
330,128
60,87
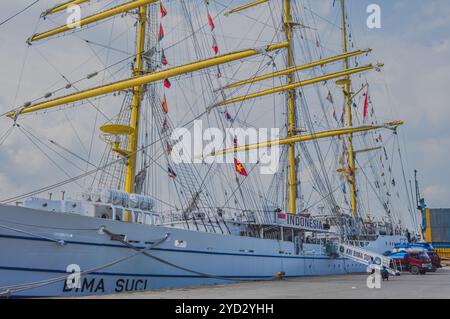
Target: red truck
x,y
435,260
417,262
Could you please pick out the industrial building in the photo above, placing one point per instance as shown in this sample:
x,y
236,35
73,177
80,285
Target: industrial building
x,y
437,230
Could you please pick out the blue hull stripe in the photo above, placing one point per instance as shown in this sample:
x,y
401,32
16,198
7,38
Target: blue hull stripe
x,y
172,250
131,275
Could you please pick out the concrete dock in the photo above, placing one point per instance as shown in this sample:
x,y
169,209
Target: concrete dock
x,y
354,286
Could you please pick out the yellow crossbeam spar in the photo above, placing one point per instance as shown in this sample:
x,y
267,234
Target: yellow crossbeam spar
x,y
145,79
245,7
296,85
63,6
309,137
297,68
93,18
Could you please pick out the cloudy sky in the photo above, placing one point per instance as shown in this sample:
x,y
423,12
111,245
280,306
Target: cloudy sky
x,y
414,43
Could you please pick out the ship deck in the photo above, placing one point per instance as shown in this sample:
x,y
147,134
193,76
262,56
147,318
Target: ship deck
x,y
406,286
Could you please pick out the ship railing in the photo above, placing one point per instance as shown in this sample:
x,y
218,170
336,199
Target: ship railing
x,y
137,215
258,217
357,243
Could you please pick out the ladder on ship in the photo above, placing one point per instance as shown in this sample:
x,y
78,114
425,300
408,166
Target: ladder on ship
x,y
365,256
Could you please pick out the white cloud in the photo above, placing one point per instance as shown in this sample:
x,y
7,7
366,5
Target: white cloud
x,y
436,195
442,46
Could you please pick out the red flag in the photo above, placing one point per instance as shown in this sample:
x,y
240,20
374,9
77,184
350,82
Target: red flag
x,y
235,142
164,105
219,73
211,22
161,32
215,46
163,58
165,126
169,148
228,116
366,106
162,9
335,116
171,172
240,168
167,83
350,171
281,216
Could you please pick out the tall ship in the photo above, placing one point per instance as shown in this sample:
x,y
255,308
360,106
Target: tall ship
x,y
164,174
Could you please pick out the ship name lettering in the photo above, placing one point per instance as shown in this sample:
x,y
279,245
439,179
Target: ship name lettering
x,y
303,222
126,285
88,285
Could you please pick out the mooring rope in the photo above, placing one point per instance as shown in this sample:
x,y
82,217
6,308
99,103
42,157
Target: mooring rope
x,y
180,267
59,241
9,290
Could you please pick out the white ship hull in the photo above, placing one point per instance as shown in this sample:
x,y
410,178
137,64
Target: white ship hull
x,y
187,258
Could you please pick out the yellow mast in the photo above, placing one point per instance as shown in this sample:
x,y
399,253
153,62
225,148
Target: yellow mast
x,y
294,85
295,69
138,93
143,79
63,6
93,18
291,110
245,7
308,137
348,110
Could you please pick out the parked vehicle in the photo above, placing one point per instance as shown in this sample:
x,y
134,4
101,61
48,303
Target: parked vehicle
x,y
435,260
416,262
421,247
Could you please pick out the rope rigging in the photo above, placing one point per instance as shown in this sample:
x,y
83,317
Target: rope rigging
x,y
9,290
19,12
191,184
